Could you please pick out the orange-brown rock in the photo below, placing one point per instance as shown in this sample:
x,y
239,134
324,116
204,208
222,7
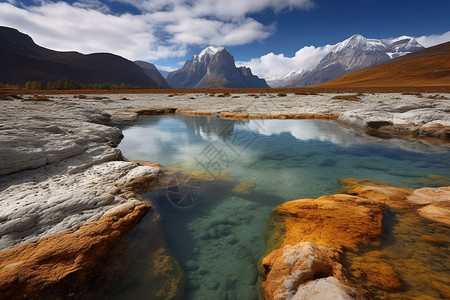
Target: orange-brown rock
x,y
202,175
64,263
145,163
335,221
431,203
193,113
432,240
244,188
317,116
375,190
439,179
378,273
437,201
442,288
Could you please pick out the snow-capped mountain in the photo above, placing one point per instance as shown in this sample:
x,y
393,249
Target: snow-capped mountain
x,y
214,68
278,82
355,53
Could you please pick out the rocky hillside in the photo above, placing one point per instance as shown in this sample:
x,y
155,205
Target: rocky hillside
x,y
214,68
153,73
22,60
427,67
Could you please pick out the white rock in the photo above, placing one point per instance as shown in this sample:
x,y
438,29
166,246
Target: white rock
x,y
328,288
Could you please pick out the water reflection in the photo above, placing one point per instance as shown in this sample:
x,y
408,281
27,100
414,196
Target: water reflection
x,y
333,132
170,130
210,127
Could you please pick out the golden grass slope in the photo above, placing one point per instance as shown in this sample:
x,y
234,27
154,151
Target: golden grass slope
x,y
427,67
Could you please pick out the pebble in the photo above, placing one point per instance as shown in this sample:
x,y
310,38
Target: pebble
x,y
190,265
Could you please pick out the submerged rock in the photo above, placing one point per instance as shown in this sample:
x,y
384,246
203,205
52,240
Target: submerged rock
x,y
378,273
244,188
432,240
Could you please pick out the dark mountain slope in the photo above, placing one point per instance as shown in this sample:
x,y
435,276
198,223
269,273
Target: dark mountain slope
x,y
22,60
153,73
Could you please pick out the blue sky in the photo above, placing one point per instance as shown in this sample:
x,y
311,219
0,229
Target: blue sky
x,y
273,37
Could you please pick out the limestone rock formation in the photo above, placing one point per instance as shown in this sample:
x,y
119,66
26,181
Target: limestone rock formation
x,y
67,197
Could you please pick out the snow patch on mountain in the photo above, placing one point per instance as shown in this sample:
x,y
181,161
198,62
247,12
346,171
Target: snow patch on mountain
x,y
209,51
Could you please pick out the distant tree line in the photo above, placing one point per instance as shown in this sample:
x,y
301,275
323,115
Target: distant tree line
x,y
9,86
72,85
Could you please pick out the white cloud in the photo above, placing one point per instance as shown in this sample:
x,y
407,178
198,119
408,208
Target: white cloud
x,y
61,26
276,66
165,68
222,9
93,4
434,39
164,28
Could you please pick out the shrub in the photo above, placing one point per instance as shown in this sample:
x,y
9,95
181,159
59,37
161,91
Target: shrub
x,y
419,95
347,97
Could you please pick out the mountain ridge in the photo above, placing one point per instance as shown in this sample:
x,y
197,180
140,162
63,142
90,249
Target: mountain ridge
x,y
354,53
153,73
214,68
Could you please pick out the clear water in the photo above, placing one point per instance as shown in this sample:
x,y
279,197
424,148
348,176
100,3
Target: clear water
x,y
217,235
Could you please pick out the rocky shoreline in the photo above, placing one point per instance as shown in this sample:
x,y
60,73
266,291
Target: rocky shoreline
x,y
67,195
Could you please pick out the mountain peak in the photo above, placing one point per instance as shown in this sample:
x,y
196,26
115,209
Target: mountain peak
x,y
210,51
355,41
401,38
17,39
214,67
357,36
